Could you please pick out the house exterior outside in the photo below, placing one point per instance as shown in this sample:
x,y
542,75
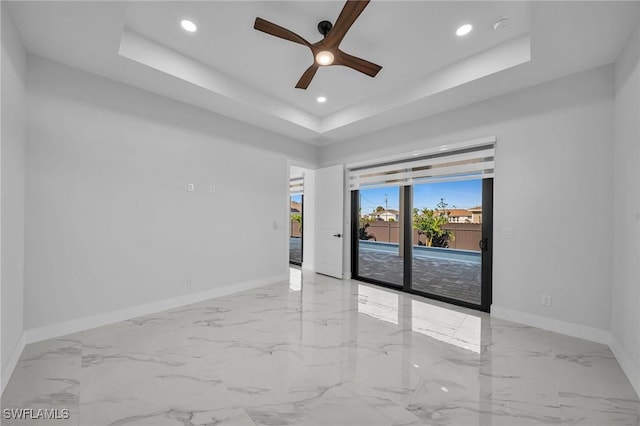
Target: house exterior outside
x,y
296,207
458,215
476,214
386,215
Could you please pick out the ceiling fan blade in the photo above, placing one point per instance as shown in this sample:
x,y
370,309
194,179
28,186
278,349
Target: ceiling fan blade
x,y
277,31
350,12
358,64
306,78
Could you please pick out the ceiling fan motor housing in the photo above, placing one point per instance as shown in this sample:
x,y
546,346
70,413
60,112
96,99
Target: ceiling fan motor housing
x,y
324,27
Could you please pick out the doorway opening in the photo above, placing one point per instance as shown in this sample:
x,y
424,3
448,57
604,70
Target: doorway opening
x,y
296,248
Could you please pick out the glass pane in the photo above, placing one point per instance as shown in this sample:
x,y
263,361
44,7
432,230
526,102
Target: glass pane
x,y
295,230
380,254
447,229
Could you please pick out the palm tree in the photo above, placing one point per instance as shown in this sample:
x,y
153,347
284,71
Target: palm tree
x,y
429,224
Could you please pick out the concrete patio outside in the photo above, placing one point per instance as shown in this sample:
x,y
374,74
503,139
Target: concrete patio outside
x,y
456,279
295,249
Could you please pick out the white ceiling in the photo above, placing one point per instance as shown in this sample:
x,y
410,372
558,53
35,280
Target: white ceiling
x,y
425,41
229,68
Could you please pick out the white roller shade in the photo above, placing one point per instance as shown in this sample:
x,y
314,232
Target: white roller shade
x,y
476,162
296,186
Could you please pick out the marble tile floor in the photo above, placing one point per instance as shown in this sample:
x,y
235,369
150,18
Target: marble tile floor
x,y
318,351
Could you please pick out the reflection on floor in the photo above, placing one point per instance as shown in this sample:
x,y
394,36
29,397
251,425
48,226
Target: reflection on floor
x,y
295,249
450,278
318,351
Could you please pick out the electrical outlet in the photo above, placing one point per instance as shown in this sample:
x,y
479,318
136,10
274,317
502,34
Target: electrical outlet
x,y
545,300
187,282
508,232
191,187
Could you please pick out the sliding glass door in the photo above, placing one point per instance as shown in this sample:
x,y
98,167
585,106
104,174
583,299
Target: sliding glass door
x,y
432,239
430,218
380,254
447,221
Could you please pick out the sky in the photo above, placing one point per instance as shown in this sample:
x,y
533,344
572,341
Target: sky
x,y
461,195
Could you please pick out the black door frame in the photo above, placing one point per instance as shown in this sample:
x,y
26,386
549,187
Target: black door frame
x,y
487,252
487,249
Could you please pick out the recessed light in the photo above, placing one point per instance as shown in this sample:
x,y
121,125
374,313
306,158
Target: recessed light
x,y
464,30
188,25
321,99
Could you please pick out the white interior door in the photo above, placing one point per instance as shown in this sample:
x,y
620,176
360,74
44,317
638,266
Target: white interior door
x,y
329,227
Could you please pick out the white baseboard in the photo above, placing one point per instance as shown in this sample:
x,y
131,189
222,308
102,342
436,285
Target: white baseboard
x,y
628,367
85,323
557,326
7,371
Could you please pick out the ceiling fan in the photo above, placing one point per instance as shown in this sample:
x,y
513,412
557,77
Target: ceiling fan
x,y
326,51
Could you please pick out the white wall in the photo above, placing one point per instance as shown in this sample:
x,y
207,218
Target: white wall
x,y
12,189
625,320
110,223
553,159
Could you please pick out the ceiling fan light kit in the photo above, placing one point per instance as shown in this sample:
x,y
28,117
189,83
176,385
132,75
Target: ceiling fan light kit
x,y
326,52
325,58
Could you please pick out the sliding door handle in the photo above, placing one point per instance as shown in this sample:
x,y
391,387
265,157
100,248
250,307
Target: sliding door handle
x,y
483,244
337,235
